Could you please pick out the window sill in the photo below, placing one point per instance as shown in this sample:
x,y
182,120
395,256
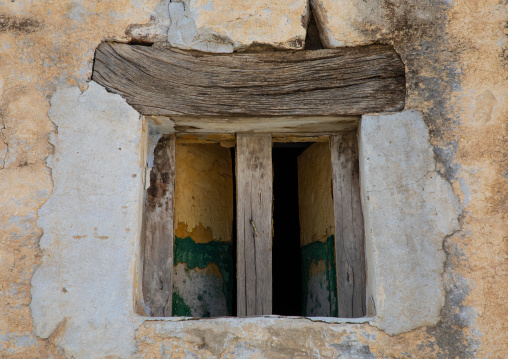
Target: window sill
x,y
330,320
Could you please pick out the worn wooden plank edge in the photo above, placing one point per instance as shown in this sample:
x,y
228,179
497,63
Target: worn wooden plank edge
x,y
283,124
158,236
349,230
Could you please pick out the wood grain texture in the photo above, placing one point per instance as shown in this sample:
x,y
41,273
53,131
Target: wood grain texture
x,y
254,176
349,231
158,242
345,81
281,124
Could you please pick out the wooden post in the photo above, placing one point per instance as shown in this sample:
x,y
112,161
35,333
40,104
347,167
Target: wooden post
x,y
349,232
254,175
158,245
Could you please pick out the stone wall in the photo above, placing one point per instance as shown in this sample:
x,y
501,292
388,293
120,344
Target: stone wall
x,y
56,215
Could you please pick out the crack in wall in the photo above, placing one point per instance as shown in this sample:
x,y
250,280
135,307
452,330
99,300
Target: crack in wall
x,y
402,185
6,143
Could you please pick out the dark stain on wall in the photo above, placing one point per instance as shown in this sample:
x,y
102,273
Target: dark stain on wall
x,y
180,308
18,24
448,334
433,73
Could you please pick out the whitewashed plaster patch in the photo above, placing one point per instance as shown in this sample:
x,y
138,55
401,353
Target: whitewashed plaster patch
x,y
91,225
409,210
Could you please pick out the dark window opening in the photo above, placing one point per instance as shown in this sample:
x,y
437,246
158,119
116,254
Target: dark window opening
x,y
286,260
234,299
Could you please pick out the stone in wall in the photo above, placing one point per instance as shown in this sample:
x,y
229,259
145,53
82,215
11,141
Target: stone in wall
x,y
355,23
349,23
409,209
227,25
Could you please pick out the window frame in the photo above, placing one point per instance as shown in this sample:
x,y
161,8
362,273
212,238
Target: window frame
x,y
341,155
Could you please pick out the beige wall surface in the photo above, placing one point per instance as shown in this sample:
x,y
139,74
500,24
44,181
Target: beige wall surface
x,y
456,58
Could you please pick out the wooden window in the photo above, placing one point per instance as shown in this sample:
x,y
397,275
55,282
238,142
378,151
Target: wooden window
x,y
191,199
270,95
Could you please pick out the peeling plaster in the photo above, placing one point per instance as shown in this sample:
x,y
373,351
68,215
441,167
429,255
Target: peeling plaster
x,y
453,52
86,276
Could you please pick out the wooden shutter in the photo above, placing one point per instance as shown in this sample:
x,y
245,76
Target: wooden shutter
x,y
349,231
158,235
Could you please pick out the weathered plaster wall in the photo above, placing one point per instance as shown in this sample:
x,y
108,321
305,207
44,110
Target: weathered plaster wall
x,y
204,274
91,225
314,194
456,60
204,192
317,229
43,45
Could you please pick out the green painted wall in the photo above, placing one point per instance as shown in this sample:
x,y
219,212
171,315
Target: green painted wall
x,y
319,289
198,293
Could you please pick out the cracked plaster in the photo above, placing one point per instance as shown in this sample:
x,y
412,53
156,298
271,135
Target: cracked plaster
x,y
87,280
456,75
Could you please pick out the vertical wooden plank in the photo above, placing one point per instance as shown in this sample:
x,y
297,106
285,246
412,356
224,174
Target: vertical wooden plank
x,y
254,176
317,230
349,232
158,244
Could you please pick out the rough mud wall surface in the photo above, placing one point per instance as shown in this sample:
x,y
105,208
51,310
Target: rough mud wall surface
x,y
449,76
42,44
204,265
456,61
317,228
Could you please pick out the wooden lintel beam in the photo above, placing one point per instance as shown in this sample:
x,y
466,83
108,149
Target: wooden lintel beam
x,y
329,82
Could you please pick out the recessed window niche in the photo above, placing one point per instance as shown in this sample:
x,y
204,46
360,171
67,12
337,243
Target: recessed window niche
x,y
251,210
256,100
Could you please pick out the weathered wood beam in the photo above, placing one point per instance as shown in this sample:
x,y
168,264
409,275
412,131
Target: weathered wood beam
x,y
158,237
165,82
280,124
254,176
349,231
